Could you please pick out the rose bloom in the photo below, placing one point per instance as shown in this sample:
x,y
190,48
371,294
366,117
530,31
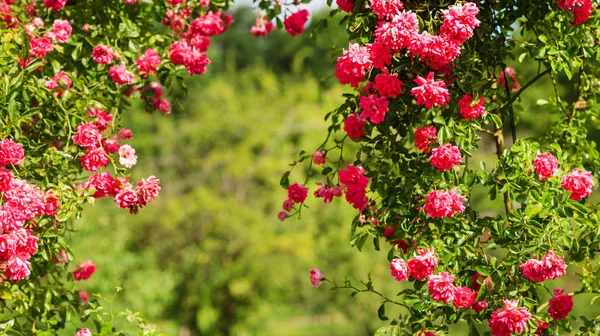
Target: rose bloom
x,y
88,136
209,24
40,46
579,183
11,153
61,31
354,126
510,319
470,110
550,267
374,108
127,198
94,159
51,204
103,184
84,271
102,118
386,9
545,165
399,269
351,66
17,268
103,54
430,92
441,204
180,52
398,33
197,63
55,5
445,157
464,298
560,305
294,24
84,332
460,21
424,137
316,277
5,178
127,156
199,42
148,62
441,287
380,56
124,134
541,327
147,190
327,192
281,215
319,158
422,266
345,5
582,13
297,193
120,75
58,82
426,333
83,296
479,306
262,26
111,145
288,204
388,85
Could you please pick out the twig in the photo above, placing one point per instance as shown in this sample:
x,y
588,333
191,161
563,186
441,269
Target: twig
x,y
511,112
528,84
572,114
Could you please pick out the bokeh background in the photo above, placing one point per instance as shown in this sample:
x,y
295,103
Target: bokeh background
x,y
210,257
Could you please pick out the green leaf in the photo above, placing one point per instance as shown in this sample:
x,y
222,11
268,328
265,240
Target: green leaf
x,y
439,120
533,209
386,331
496,119
482,292
381,313
543,38
577,207
285,180
483,270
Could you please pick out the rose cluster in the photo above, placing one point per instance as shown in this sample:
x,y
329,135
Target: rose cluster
x,y
98,147
352,178
22,203
581,9
190,50
578,182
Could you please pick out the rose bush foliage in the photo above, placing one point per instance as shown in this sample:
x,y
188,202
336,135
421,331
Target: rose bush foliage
x,y
431,81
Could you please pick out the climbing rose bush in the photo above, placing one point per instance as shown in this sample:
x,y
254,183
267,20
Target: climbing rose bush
x,y
69,69
434,84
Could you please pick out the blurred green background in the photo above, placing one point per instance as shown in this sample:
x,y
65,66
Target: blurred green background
x,y
210,257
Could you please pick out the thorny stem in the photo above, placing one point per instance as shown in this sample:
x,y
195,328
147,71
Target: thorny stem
x,y
499,139
578,96
528,84
558,100
370,289
511,112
